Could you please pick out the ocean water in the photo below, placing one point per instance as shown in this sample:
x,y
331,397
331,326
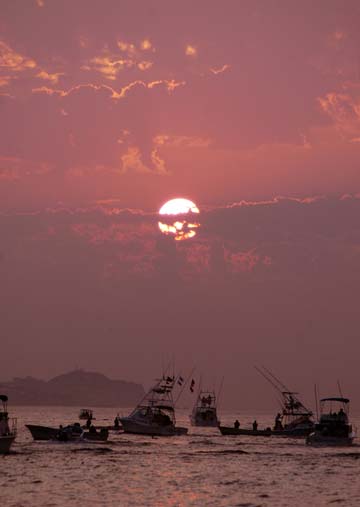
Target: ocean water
x,y
200,469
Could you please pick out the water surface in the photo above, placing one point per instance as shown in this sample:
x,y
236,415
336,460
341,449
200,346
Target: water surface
x,y
201,469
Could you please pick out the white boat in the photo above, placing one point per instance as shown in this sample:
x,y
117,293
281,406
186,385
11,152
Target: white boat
x,y
333,427
155,414
204,412
7,427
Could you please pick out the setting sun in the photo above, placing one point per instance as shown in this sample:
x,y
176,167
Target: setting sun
x,y
180,229
178,206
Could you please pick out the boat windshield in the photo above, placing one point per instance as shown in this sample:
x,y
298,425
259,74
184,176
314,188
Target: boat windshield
x,y
336,409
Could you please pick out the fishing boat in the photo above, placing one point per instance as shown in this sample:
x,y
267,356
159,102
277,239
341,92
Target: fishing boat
x,y
204,412
86,413
293,419
155,414
7,427
42,432
229,430
333,427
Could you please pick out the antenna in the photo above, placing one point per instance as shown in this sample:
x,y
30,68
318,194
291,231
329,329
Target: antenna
x,y
341,394
219,392
339,387
316,401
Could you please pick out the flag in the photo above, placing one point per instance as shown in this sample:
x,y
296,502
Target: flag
x,y
192,385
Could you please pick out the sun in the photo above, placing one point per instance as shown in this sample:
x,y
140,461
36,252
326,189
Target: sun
x,y
180,228
178,206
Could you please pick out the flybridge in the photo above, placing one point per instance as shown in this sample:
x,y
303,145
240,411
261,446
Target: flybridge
x,y
289,401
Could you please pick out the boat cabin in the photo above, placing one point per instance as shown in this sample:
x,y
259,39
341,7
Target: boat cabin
x,y
86,413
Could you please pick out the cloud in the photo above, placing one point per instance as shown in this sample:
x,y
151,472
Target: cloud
x,y
16,168
170,86
13,61
109,66
53,78
344,110
5,80
146,45
190,50
220,70
132,161
181,141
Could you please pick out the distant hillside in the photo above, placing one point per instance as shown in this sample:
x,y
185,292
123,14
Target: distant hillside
x,y
77,387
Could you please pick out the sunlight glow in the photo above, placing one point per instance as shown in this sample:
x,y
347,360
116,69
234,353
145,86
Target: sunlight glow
x,y
178,206
179,229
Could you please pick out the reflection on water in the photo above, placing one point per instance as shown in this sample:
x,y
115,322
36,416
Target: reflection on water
x,y
201,469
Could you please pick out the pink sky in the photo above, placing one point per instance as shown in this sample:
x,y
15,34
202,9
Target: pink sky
x,y
252,110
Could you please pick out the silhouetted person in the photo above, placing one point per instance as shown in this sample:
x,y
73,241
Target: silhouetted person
x,y
236,424
341,414
278,423
88,422
255,425
116,423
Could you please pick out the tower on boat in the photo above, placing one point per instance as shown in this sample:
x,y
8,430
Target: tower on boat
x,y
155,414
294,418
204,412
7,427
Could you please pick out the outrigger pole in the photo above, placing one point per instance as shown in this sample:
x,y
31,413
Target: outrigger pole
x,y
219,392
316,401
279,386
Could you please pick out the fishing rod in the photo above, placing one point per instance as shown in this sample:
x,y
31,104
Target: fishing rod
x,y
277,384
267,378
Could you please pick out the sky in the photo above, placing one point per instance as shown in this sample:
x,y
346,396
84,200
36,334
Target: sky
x,y
251,109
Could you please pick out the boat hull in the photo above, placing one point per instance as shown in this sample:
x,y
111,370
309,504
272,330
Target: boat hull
x,y
6,442
205,424
294,433
140,428
228,430
102,436
42,432
320,440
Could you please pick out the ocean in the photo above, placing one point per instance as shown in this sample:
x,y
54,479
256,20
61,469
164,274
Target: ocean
x,y
203,468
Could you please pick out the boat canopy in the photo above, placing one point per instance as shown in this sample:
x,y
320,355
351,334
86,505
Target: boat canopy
x,y
340,400
3,398
165,407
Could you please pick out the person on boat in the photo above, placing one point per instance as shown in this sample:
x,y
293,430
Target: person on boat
x,y
278,422
341,415
88,422
255,425
236,424
4,427
116,423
